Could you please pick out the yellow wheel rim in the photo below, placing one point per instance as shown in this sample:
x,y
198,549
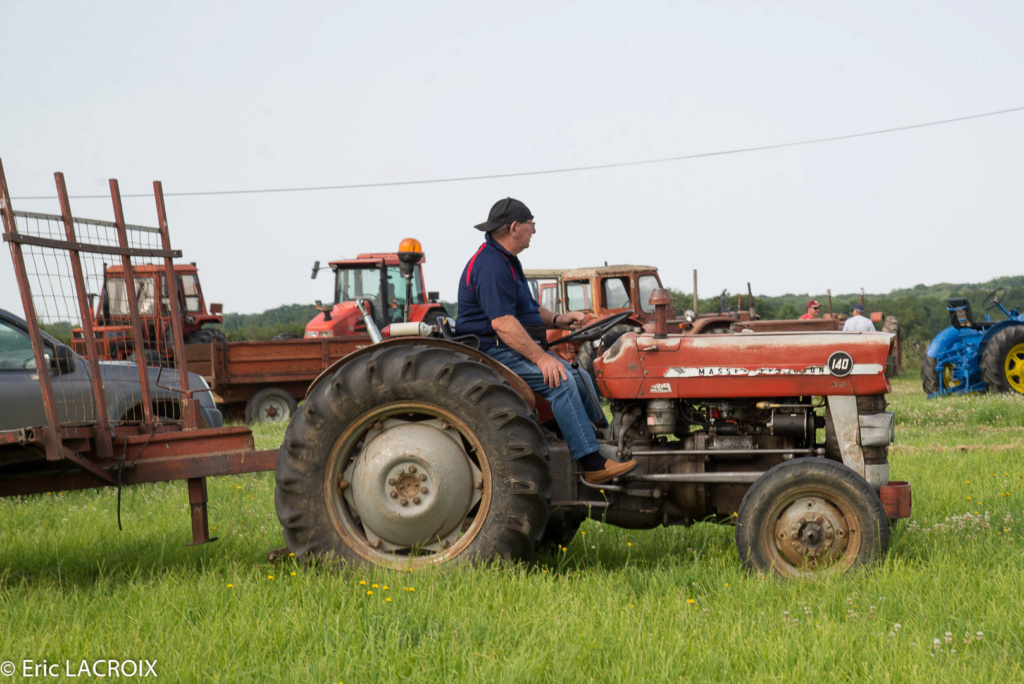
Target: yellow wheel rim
x,y
1013,367
947,376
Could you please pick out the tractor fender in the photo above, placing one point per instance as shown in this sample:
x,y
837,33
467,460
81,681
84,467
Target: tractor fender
x,y
996,328
517,383
944,341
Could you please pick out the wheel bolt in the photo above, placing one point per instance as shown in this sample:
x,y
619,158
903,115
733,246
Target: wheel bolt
x,y
412,469
479,484
404,502
342,484
378,425
376,544
423,478
392,481
424,490
394,495
828,535
445,544
415,499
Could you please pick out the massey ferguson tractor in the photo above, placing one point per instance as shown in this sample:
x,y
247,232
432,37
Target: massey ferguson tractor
x,y
422,451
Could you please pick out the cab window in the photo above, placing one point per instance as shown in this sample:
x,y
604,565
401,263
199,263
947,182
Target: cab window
x,y
616,293
646,284
548,297
578,295
190,291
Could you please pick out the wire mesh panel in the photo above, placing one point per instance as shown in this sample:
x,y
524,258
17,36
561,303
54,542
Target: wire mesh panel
x,y
58,310
102,303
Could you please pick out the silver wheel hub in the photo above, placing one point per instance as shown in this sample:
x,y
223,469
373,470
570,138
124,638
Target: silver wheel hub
x,y
273,410
412,485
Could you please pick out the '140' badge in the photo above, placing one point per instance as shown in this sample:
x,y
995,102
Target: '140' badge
x,y
840,364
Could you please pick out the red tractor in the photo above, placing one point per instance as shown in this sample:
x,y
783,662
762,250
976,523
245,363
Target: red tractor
x,y
112,321
421,451
389,285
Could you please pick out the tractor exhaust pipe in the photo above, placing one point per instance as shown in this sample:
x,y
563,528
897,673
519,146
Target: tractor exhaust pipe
x,y
371,327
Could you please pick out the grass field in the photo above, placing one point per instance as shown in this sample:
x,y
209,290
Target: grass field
x,y
947,603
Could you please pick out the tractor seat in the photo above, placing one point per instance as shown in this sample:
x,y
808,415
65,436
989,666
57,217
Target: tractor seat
x,y
961,316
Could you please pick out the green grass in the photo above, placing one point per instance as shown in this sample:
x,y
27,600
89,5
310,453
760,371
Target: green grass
x,y
670,604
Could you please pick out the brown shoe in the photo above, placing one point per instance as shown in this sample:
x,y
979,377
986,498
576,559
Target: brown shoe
x,y
611,469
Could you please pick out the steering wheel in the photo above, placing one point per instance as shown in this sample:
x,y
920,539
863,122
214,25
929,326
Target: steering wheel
x,y
992,301
594,329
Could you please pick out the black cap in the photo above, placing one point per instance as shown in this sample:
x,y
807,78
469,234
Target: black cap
x,y
505,211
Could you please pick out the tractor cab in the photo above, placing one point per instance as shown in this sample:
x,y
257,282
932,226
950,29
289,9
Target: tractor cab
x,y
389,284
112,316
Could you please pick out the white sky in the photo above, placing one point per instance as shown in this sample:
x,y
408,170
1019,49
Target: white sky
x,y
246,95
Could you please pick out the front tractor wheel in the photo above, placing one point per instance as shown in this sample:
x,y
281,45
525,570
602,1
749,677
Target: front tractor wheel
x,y
808,517
413,456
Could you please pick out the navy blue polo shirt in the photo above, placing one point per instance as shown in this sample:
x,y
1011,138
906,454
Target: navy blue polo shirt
x,y
493,285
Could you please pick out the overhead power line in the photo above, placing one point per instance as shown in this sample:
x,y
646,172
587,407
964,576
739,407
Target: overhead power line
x,y
572,169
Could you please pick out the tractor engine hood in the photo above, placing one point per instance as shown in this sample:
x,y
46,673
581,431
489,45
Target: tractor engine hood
x,y
783,364
342,321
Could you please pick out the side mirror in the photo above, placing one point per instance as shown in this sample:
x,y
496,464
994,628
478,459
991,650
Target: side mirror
x,y
316,269
216,309
63,360
433,296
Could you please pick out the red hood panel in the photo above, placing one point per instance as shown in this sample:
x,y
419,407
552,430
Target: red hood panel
x,y
744,365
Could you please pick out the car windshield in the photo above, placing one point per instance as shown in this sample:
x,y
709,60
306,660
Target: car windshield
x,y
15,348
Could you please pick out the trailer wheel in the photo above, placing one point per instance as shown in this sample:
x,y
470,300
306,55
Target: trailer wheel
x,y
1002,364
270,405
409,457
809,517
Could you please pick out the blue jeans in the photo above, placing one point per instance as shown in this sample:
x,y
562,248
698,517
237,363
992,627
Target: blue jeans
x,y
570,402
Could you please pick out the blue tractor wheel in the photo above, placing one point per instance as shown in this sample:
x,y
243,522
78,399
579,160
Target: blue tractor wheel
x,y
931,380
929,377
1002,362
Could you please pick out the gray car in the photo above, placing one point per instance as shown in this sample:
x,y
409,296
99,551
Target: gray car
x,y
21,400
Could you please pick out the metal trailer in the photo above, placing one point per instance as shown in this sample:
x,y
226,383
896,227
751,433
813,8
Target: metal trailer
x,y
58,262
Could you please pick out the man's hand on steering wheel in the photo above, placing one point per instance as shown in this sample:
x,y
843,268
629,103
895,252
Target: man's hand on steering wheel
x,y
594,329
570,321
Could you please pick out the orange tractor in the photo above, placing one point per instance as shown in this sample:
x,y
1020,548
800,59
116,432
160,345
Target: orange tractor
x,y
421,451
111,320
386,286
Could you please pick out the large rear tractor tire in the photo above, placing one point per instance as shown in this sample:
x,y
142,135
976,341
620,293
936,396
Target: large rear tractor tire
x,y
413,456
270,405
1002,364
205,336
809,517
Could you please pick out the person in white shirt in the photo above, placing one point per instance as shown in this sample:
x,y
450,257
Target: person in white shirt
x,y
857,322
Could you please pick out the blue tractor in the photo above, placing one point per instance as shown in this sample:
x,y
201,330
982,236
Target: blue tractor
x,y
974,356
